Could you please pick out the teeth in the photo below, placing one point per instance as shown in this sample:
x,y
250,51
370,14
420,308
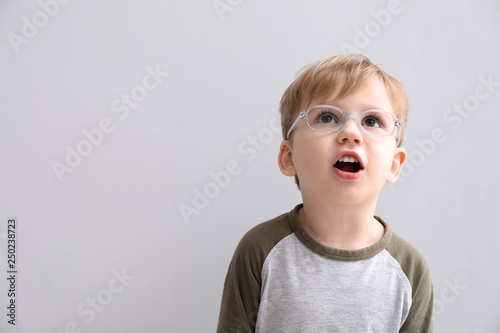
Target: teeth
x,y
349,159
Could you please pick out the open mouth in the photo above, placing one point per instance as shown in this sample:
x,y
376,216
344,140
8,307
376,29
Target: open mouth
x,y
348,164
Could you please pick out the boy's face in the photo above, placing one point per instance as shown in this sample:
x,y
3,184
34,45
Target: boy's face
x,y
314,155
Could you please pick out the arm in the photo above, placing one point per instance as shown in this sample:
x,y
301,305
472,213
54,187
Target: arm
x,y
419,318
241,294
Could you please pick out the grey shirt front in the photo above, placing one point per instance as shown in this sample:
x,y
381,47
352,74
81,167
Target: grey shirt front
x,y
282,280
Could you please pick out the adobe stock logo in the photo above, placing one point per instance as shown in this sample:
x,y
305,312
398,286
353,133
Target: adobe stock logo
x,y
92,306
223,6
381,20
121,106
450,293
220,179
30,28
455,117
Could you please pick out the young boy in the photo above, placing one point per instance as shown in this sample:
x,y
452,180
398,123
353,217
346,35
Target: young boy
x,y
330,265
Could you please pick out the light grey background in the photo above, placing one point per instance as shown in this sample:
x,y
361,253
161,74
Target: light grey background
x,y
228,64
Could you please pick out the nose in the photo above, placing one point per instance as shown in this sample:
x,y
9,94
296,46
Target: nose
x,y
350,132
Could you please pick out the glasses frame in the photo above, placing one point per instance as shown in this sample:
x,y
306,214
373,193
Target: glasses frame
x,y
347,115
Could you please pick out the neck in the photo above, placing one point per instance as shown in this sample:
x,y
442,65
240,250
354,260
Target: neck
x,y
340,227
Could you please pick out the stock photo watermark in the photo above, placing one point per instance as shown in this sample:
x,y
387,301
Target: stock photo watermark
x,y
90,308
222,7
247,150
449,294
12,269
30,28
454,117
373,28
94,137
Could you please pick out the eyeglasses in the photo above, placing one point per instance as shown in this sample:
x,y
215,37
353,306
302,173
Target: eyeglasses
x,y
328,118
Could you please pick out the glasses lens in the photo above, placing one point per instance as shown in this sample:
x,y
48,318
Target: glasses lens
x,y
377,122
324,118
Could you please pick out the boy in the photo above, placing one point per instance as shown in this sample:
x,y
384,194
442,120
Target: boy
x,y
330,265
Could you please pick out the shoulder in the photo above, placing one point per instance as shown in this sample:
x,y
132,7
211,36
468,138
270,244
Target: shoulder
x,y
414,266
242,287
412,262
263,237
405,253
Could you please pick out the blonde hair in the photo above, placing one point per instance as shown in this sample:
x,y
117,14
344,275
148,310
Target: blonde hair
x,y
344,74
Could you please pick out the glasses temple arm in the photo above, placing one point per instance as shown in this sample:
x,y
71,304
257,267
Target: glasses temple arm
x,y
301,115
398,125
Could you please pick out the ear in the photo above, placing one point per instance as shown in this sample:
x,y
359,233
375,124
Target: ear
x,y
285,160
398,161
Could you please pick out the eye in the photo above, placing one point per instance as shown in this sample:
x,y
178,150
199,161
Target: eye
x,y
372,121
375,120
327,117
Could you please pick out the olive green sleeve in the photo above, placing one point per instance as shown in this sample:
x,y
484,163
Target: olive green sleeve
x,y
242,287
419,319
241,295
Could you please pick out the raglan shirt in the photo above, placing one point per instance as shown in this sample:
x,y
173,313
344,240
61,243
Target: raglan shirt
x,y
281,280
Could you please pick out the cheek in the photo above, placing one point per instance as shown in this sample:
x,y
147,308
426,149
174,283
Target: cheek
x,y
385,163
311,159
